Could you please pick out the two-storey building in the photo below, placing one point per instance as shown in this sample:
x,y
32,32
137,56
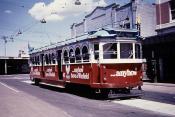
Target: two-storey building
x,y
159,49
116,16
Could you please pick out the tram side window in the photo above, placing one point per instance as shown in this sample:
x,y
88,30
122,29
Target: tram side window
x,y
46,59
38,61
126,50
35,62
77,55
50,59
96,51
71,56
137,51
53,58
85,54
66,59
110,51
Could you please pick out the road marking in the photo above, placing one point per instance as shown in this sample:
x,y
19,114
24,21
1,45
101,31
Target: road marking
x,y
13,78
149,105
31,82
28,81
9,87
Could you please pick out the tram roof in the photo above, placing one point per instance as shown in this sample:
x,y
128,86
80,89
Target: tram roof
x,y
106,32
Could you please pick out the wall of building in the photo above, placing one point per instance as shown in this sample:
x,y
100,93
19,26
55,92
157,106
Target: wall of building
x,y
121,15
101,17
115,16
14,66
163,14
147,14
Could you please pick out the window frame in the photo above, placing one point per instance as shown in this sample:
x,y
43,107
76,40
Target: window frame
x,y
171,10
78,57
85,56
130,53
112,54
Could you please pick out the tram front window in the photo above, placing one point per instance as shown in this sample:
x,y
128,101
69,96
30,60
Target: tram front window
x,y
110,51
126,50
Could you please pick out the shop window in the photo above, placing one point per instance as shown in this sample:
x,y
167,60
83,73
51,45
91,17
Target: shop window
x,y
172,9
96,51
127,25
126,50
85,54
110,51
77,55
137,51
71,56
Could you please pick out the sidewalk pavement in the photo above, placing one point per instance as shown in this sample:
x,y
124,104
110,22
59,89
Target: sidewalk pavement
x,y
159,87
159,84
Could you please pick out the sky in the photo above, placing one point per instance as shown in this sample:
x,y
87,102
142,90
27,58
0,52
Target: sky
x,y
20,21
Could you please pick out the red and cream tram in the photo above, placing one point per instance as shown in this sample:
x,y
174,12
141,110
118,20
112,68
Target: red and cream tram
x,y
105,60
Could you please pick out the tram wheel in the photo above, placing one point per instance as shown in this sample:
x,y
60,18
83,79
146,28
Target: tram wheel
x,y
37,81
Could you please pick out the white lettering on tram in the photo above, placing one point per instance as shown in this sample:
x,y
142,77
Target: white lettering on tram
x,y
124,73
77,70
67,72
36,72
49,72
79,73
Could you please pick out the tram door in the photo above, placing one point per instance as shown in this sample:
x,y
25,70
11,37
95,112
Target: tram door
x,y
42,64
59,64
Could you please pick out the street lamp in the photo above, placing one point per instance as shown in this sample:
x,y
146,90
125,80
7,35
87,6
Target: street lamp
x,y
5,42
77,2
43,21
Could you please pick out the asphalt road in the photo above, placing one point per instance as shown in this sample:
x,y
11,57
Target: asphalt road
x,y
20,98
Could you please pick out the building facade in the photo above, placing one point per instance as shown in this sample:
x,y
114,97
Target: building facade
x,y
116,16
159,49
14,65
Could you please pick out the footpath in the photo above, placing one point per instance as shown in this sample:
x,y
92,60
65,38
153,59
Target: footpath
x,y
159,84
159,87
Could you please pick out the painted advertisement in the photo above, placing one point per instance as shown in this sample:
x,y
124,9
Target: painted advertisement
x,y
124,73
77,72
49,72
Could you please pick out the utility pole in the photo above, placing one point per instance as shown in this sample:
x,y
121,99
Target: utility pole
x,y
5,61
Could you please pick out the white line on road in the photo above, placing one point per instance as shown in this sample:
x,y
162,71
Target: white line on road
x,y
149,105
12,78
28,81
9,87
